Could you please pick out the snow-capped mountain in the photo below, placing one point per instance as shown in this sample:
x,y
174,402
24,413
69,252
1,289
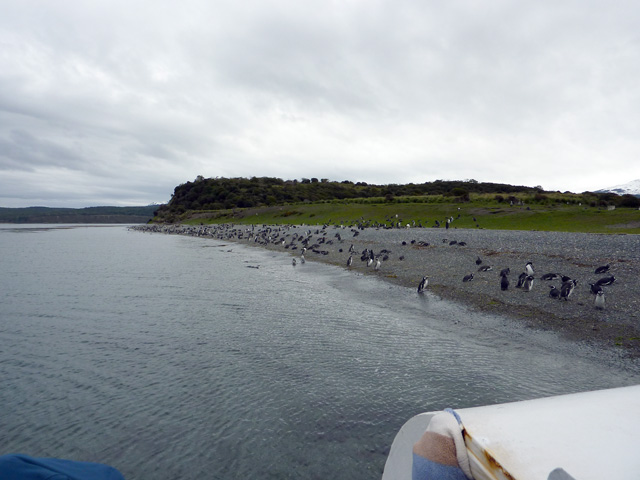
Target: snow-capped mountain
x,y
631,188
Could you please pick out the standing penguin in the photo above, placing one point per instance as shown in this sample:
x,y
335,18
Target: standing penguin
x,y
423,284
504,281
529,268
599,300
521,280
528,283
350,261
376,267
567,289
554,292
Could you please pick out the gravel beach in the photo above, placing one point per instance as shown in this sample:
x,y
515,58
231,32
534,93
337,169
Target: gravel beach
x,y
448,255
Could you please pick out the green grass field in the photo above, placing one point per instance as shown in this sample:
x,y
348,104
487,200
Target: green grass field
x,y
488,214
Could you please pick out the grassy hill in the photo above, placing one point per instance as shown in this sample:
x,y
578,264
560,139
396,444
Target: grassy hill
x,y
566,218
471,204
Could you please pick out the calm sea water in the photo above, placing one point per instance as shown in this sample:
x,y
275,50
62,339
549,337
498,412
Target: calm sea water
x,y
174,357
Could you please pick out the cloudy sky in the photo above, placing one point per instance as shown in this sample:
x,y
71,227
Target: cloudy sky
x,y
116,102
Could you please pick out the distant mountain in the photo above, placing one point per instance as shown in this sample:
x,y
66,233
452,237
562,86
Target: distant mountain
x,y
78,215
631,188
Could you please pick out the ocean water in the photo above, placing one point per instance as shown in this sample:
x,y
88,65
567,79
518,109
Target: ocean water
x,y
175,357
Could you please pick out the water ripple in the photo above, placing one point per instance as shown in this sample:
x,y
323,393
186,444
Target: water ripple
x,y
170,360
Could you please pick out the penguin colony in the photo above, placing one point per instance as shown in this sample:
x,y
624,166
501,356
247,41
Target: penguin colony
x,y
319,240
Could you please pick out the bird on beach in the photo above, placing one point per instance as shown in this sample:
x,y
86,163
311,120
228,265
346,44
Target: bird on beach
x,y
423,284
550,276
528,283
554,292
599,300
350,261
293,262
602,269
468,278
567,289
529,268
377,265
478,261
485,268
595,288
521,280
504,281
606,280
302,259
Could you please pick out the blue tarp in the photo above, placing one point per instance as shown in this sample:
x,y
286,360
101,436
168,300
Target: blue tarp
x,y
24,467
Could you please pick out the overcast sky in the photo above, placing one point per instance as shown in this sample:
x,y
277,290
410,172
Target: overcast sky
x,y
116,102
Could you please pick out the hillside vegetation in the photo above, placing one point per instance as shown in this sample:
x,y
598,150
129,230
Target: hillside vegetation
x,y
472,205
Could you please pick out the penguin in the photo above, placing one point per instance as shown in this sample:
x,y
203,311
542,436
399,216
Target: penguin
x,y
350,261
478,261
595,288
423,284
599,300
302,259
529,268
606,280
521,280
468,278
504,282
528,283
550,276
369,262
376,267
485,268
293,262
602,269
554,292
567,289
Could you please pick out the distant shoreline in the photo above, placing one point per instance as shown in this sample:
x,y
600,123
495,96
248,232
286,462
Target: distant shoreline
x,y
122,215
108,219
438,254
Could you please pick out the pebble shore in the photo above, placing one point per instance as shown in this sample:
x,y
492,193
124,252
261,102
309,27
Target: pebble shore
x,y
448,255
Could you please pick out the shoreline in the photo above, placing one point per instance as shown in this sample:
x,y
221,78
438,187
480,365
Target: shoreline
x,y
447,255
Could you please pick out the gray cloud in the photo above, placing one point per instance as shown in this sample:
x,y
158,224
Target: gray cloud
x,y
112,102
